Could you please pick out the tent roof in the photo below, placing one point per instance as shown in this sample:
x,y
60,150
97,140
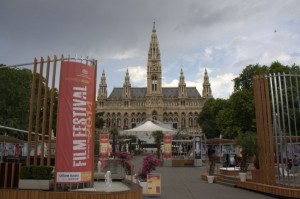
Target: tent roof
x,y
149,126
144,131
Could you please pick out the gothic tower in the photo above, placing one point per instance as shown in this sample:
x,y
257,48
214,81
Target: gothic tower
x,y
102,92
126,95
206,92
181,86
154,82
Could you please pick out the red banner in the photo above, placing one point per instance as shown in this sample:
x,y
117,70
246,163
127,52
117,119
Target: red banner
x,y
167,147
75,128
104,147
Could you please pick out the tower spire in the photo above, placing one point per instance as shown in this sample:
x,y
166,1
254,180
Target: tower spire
x,y
102,91
181,86
206,92
127,86
154,82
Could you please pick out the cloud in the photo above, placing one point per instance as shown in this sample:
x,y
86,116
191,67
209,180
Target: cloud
x,y
137,74
129,54
222,85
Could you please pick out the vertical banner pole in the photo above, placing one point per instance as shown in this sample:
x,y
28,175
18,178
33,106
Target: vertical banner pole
x,y
51,112
37,114
31,112
45,112
93,123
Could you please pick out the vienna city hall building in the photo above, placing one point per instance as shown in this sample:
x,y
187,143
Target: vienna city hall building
x,y
127,107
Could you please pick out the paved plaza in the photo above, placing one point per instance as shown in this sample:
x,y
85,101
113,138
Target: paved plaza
x,y
186,183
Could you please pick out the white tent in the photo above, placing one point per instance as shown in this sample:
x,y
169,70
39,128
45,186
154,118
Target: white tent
x,y
144,131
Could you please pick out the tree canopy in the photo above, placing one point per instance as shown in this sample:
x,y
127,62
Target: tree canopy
x,y
15,87
236,116
158,136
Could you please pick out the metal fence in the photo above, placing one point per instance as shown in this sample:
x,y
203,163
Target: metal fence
x,y
277,101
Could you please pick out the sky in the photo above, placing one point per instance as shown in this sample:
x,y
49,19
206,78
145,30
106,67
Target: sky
x,y
223,36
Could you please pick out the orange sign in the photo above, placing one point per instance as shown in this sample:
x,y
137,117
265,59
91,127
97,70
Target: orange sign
x,y
104,147
167,147
154,184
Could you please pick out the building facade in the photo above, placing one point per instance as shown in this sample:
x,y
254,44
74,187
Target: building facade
x,y
127,107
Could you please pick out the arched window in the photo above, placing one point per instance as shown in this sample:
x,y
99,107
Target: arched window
x,y
113,121
154,83
125,123
191,122
154,115
107,123
183,122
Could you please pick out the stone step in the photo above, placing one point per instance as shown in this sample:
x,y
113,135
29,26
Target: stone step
x,y
227,180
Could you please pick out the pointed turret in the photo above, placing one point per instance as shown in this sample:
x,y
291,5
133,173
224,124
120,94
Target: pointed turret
x,y
181,86
126,86
206,92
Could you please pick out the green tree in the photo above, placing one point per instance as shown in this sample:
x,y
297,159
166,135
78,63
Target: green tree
x,y
15,86
99,122
236,115
248,144
244,80
225,123
158,136
243,110
207,117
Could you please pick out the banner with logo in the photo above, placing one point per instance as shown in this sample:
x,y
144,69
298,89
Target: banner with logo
x,y
167,147
104,141
75,126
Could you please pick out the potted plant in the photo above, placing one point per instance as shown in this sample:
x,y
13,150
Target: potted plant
x,y
149,165
125,159
212,164
256,172
248,144
36,177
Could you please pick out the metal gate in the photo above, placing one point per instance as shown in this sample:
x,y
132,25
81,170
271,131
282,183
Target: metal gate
x,y
277,104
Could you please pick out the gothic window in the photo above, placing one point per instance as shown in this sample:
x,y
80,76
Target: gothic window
x,y
182,103
113,121
107,122
154,115
154,83
143,116
118,122
183,122
165,117
195,121
191,121
125,123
